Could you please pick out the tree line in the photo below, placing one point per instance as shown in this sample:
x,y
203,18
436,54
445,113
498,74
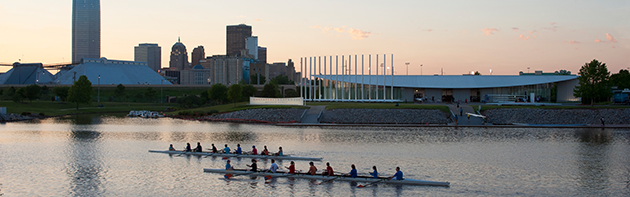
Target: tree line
x,y
595,82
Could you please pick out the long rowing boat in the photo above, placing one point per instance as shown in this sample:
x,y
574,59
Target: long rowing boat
x,y
285,157
336,177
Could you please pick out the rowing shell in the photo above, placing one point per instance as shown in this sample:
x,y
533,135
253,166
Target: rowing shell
x,y
336,178
286,157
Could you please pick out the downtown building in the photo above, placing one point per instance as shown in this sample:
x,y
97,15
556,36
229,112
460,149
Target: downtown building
x,y
86,29
149,53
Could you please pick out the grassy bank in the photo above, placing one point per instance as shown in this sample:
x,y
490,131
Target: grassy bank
x,y
341,105
49,108
233,107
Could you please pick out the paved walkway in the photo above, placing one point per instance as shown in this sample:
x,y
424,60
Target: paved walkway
x,y
463,119
312,114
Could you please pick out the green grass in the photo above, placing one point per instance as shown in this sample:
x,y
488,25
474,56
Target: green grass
x,y
239,106
343,105
57,108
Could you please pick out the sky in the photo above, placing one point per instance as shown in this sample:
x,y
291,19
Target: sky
x,y
456,36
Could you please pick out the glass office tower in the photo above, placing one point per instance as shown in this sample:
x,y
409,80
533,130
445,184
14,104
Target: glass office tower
x,y
86,29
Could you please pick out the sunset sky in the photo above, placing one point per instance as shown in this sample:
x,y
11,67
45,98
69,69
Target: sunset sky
x,y
457,36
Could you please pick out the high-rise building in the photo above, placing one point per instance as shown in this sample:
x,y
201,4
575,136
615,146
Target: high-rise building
x,y
86,29
236,37
262,55
197,54
149,53
252,46
179,56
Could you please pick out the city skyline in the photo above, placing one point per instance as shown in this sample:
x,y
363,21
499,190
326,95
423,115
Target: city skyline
x,y
457,36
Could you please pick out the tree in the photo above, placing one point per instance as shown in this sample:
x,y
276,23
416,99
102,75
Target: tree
x,y
593,82
81,91
270,90
61,92
119,92
282,80
9,93
32,92
19,95
248,91
150,93
621,79
218,93
254,80
234,93
477,73
190,101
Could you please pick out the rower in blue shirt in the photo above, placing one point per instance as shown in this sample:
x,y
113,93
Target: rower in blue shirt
x,y
353,172
375,173
398,175
226,149
228,166
238,149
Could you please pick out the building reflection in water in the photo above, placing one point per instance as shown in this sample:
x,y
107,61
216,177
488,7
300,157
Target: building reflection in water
x,y
593,160
85,163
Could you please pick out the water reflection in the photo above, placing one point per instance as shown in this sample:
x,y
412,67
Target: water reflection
x,y
85,168
593,159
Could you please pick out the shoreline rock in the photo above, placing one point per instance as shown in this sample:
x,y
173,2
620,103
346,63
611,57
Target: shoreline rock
x,y
270,115
507,116
385,116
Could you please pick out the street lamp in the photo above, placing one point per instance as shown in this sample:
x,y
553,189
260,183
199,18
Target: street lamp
x,y
161,88
420,69
407,64
98,98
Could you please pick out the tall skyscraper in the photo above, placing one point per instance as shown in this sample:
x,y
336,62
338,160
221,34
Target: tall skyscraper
x,y
236,37
197,54
86,29
149,53
252,46
179,56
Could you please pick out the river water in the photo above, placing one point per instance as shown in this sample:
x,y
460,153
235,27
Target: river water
x,y
108,156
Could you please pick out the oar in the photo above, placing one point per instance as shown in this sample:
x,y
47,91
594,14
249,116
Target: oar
x,y
228,176
338,176
374,183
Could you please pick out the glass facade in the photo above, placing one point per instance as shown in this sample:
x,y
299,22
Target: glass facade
x,y
86,29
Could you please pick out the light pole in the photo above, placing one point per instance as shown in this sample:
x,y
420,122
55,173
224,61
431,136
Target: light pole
x,y
527,69
407,64
98,98
162,87
420,69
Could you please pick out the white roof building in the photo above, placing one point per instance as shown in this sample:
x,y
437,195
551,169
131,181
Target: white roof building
x,y
110,72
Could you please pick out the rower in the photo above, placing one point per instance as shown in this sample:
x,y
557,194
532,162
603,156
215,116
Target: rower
x,y
375,173
228,166
279,152
274,166
170,148
312,170
291,168
254,151
398,175
353,172
253,166
187,149
238,149
198,148
265,151
214,149
329,170
226,149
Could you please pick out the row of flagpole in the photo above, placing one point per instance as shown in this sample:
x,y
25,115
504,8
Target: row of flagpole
x,y
309,82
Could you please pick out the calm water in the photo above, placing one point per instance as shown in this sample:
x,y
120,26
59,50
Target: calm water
x,y
107,156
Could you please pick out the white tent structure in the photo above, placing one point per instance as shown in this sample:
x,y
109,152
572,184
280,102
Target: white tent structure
x,y
111,72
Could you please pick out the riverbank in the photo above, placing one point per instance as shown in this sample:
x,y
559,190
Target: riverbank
x,y
592,116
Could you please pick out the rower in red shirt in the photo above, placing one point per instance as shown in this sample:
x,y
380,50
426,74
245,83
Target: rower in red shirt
x,y
254,151
291,168
329,171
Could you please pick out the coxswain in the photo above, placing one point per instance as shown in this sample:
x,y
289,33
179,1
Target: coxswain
x,y
187,149
214,149
226,149
198,148
375,173
291,168
274,166
265,151
170,148
253,166
228,166
279,152
312,170
353,172
398,175
329,171
238,149
254,151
